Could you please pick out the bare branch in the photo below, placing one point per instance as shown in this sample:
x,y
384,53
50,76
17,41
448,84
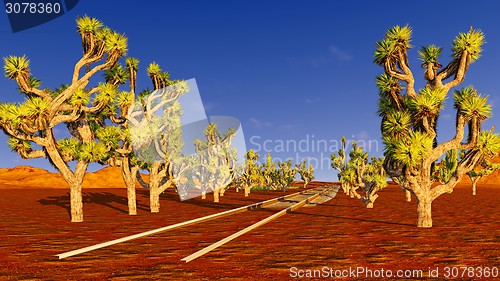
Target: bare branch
x,y
141,181
454,143
466,165
32,154
407,77
460,73
22,136
64,118
79,83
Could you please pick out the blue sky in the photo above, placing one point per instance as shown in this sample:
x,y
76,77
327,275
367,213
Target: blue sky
x,y
291,71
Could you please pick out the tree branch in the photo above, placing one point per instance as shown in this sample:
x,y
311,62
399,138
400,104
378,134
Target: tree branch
x,y
141,181
19,135
32,154
466,165
410,82
64,118
79,83
456,142
460,73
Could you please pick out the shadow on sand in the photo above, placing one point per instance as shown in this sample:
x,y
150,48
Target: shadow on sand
x,y
106,199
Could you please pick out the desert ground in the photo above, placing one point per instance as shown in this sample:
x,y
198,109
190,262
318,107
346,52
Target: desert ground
x,y
338,234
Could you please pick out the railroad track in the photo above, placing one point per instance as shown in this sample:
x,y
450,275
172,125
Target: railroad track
x,y
308,196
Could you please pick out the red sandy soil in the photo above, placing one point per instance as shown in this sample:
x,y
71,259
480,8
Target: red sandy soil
x,y
339,234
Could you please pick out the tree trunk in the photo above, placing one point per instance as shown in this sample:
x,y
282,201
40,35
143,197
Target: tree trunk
x,y
129,177
474,184
154,195
132,202
408,196
76,202
154,188
371,199
424,210
216,196
344,187
203,195
354,193
247,190
73,179
154,199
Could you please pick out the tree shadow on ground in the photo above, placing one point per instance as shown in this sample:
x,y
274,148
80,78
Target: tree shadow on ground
x,y
171,195
106,199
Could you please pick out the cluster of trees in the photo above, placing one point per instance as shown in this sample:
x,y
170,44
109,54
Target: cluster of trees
x,y
109,125
272,175
359,173
79,106
449,164
409,117
485,168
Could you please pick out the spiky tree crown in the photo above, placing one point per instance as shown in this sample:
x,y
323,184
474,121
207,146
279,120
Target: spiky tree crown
x,y
83,109
409,120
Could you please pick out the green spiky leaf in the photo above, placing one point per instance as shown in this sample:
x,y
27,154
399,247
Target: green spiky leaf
x,y
471,42
18,145
429,55
400,35
16,66
93,152
153,69
471,104
69,148
87,25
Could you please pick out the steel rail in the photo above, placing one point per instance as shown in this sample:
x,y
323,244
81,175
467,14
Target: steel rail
x,y
255,225
183,224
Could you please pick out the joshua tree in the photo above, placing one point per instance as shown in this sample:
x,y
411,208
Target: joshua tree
x,y
268,169
339,163
306,174
155,130
217,159
374,180
284,175
31,124
358,173
485,169
356,167
409,120
251,176
123,155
